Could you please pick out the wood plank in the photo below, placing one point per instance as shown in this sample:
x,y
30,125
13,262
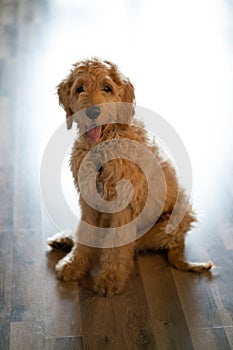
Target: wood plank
x,y
27,212
48,227
27,200
105,343
121,322
211,338
227,233
27,336
4,332
28,300
206,299
6,164
62,302
168,320
131,311
229,334
71,343
27,196
91,307
196,299
6,249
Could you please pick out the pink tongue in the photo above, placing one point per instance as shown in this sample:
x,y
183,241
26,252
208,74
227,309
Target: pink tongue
x,y
95,133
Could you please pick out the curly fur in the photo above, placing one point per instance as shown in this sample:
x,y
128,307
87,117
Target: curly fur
x,y
84,87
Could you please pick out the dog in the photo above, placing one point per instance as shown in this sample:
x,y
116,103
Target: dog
x,y
101,100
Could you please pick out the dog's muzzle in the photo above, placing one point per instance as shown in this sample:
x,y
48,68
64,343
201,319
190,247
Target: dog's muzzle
x,y
94,131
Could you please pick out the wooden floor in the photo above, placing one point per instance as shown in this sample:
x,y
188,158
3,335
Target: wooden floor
x,y
162,308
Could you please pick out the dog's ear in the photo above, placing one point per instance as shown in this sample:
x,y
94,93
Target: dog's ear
x,y
63,90
128,91
127,109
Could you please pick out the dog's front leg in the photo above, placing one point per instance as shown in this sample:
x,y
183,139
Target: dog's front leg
x,y
75,264
117,261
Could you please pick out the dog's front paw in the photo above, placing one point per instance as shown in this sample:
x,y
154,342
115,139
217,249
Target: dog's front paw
x,y
68,270
108,285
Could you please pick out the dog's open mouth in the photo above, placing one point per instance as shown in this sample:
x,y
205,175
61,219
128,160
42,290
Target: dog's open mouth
x,y
95,133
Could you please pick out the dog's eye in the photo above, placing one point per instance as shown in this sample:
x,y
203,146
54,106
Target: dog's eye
x,y
107,89
80,89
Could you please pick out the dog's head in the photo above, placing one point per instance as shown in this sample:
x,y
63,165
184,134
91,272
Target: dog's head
x,y
96,94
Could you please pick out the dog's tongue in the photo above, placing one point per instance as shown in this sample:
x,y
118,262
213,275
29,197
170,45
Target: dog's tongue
x,y
95,133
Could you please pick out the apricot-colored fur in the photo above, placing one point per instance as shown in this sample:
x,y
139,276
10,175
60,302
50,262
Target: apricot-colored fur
x,y
85,86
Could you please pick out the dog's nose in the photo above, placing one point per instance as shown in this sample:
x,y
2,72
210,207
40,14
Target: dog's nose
x,y
93,112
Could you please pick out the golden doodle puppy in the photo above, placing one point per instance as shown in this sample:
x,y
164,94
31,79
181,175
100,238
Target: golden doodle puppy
x,y
128,192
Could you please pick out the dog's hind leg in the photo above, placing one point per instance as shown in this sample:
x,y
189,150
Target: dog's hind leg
x,y
175,248
173,243
175,257
63,240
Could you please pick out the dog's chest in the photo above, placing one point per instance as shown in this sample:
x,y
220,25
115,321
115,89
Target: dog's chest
x,y
106,164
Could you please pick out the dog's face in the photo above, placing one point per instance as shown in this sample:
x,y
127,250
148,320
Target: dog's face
x,y
95,94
